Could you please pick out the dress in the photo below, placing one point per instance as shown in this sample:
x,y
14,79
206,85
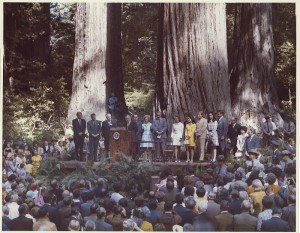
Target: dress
x,y
190,133
147,135
212,131
36,161
177,133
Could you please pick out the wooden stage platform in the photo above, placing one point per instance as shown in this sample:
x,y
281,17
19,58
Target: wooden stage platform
x,y
73,164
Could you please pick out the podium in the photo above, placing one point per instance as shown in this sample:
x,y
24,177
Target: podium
x,y
121,141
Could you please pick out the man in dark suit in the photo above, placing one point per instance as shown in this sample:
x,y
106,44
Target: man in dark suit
x,y
46,148
159,135
267,129
224,220
169,218
52,211
101,225
244,221
21,223
234,129
94,129
252,142
79,127
130,125
201,221
289,212
275,223
85,207
222,130
138,133
64,212
106,125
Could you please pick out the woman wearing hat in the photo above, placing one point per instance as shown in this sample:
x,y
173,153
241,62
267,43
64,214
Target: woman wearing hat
x,y
190,138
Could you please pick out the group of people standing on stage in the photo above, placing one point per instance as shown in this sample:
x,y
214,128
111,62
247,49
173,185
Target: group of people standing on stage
x,y
213,133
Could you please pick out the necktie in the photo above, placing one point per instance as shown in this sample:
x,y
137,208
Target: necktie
x,y
79,121
289,126
219,170
252,163
268,127
284,165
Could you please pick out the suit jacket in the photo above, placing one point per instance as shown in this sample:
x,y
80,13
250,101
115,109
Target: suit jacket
x,y
5,220
161,126
106,128
202,222
201,128
233,132
213,209
267,127
244,222
92,217
79,128
45,151
139,130
169,220
222,127
85,208
132,126
21,223
103,226
252,144
275,224
94,127
61,215
291,149
154,215
224,221
235,207
289,215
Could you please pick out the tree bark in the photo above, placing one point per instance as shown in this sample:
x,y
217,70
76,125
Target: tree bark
x,y
114,65
89,70
252,79
192,59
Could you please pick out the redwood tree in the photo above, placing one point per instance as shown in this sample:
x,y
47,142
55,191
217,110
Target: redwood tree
x,y
97,53
192,59
252,79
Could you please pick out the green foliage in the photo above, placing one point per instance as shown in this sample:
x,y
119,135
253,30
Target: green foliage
x,y
139,53
284,27
128,172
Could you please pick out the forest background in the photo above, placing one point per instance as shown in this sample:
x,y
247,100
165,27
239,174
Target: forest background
x,y
39,50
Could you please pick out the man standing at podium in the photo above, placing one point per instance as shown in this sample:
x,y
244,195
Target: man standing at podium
x,y
94,129
159,127
79,127
106,125
130,125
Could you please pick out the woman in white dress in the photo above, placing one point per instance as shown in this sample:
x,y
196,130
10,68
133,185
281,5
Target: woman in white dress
x,y
176,136
241,142
147,138
212,126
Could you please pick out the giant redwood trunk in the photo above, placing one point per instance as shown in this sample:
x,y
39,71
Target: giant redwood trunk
x,y
93,63
192,59
252,77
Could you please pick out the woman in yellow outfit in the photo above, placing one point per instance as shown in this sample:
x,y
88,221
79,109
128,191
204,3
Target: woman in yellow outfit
x,y
36,161
190,137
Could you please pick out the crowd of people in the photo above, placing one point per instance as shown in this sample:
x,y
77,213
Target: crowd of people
x,y
257,194
222,198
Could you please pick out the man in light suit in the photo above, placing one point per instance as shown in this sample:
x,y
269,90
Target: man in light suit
x,y
94,129
201,130
106,125
159,135
222,132
244,221
79,127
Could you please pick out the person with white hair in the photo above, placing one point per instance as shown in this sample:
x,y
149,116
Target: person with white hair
x,y
244,221
74,225
130,225
13,206
202,222
5,213
90,226
257,196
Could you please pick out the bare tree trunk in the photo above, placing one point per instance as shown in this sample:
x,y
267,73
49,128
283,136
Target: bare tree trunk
x,y
89,73
252,79
114,69
192,59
